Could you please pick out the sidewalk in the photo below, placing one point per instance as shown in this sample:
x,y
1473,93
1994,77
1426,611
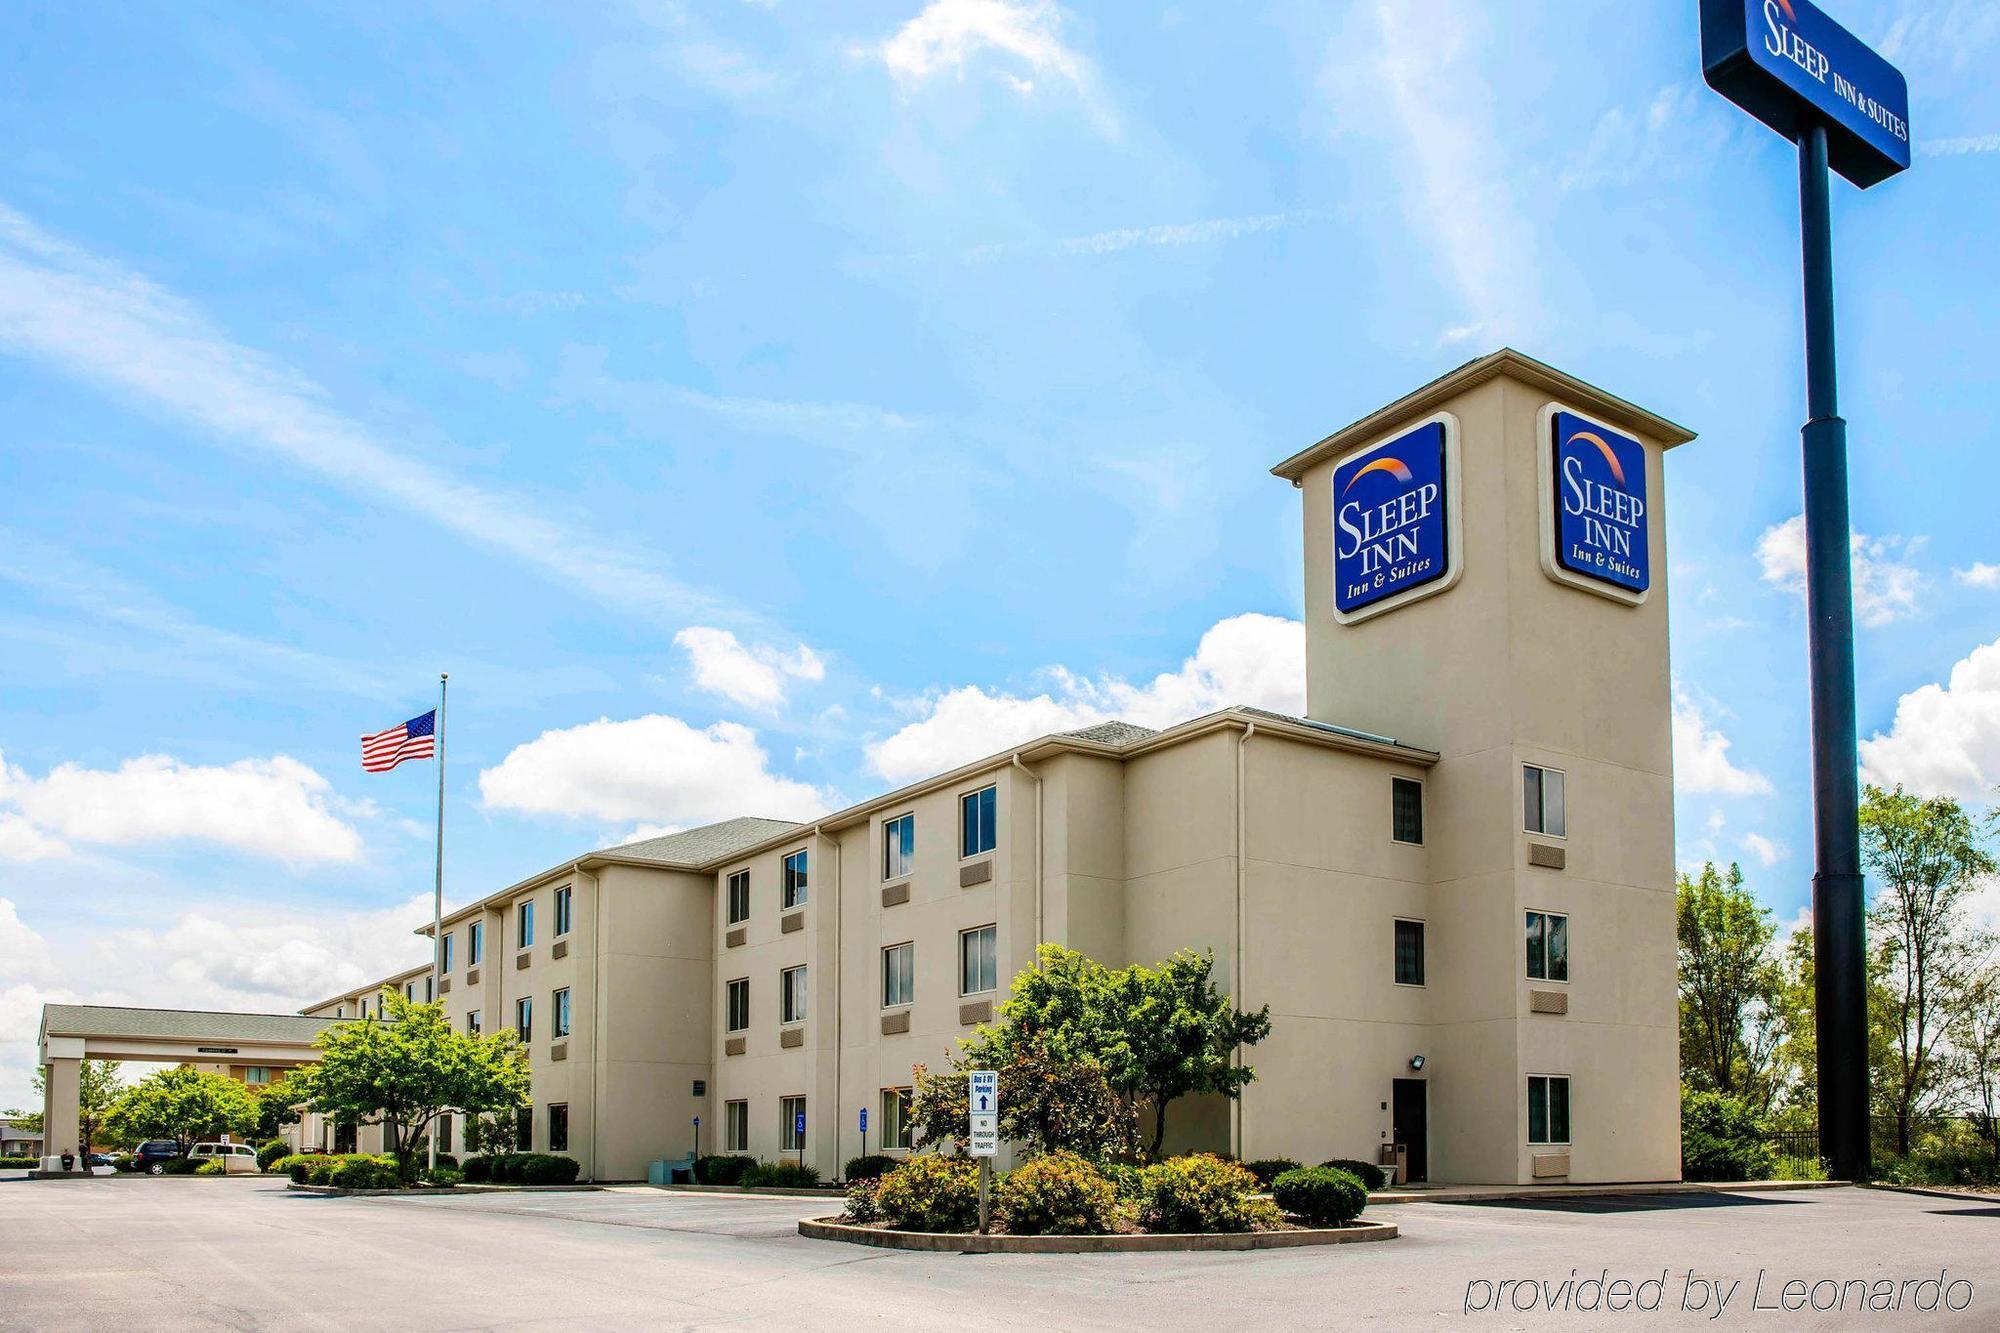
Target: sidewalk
x,y
1448,1193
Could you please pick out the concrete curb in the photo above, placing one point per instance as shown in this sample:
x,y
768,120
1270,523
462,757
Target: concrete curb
x,y
826,1228
437,1191
744,1191
1495,1193
1939,1192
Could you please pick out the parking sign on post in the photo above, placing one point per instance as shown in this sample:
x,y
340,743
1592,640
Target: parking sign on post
x,y
982,1100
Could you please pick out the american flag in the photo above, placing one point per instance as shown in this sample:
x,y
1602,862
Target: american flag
x,y
415,739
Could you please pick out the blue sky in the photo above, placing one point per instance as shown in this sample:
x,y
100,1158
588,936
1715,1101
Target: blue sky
x,y
754,404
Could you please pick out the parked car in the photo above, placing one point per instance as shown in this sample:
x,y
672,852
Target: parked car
x,y
153,1155
221,1152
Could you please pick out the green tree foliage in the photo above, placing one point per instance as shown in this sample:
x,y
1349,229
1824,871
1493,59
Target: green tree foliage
x,y
1155,1033
99,1086
1729,985
1976,1034
1926,853
1722,1138
276,1103
186,1106
1795,1064
410,1068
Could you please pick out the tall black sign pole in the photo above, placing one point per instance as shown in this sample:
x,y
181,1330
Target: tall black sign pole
x,y
1840,997
1808,78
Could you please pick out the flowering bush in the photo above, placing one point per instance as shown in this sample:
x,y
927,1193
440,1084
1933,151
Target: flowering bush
x,y
931,1193
1202,1193
1320,1196
1057,1194
863,1205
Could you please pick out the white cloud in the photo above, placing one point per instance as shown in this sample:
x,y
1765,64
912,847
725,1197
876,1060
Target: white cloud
x,y
1419,65
22,841
1249,659
1959,147
947,36
1946,738
1978,574
275,807
1885,583
275,959
112,327
655,768
755,676
1701,756
1767,851
1627,146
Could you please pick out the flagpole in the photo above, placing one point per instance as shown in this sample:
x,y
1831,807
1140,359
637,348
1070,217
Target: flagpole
x,y
437,889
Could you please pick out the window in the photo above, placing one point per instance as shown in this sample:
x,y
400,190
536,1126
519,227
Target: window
x,y
524,924
899,847
898,974
472,1022
1548,1108
256,1074
564,912
895,1117
430,989
340,1011
1542,801
524,1129
975,822
1409,953
475,943
791,1111
793,891
558,1127
739,897
410,990
739,1004
977,963
1406,813
444,1133
524,1018
561,1012
449,940
792,995
736,1127
1548,946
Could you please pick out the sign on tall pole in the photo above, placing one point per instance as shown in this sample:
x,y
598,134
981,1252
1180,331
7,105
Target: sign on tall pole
x,y
982,1102
1789,65
437,887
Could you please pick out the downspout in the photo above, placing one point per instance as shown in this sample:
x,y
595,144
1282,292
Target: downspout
x,y
820,835
1241,1000
1036,779
597,999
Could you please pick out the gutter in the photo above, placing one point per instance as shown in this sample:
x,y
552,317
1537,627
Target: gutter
x,y
1036,779
1241,999
820,836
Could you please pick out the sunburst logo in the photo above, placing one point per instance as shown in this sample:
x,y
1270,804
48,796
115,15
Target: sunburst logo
x,y
1786,5
1395,467
1610,456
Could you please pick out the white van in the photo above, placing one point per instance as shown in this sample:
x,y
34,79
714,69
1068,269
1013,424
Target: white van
x,y
238,1159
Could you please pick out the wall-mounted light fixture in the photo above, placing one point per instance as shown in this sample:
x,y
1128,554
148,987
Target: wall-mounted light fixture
x,y
1416,1062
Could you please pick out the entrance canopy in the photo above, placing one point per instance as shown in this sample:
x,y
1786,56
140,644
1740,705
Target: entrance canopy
x,y
73,1033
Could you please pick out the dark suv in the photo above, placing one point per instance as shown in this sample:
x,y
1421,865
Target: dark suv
x,y
153,1155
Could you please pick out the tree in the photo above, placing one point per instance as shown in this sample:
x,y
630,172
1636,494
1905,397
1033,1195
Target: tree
x,y
1157,1033
1977,1036
98,1088
186,1106
1729,986
277,1105
409,1069
1048,1104
1927,853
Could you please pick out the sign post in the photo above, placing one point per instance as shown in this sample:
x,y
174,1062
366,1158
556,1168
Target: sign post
x,y
1789,65
697,1136
799,1133
983,1105
864,1131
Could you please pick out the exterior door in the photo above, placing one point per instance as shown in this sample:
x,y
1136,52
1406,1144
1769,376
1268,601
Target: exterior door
x,y
1410,1118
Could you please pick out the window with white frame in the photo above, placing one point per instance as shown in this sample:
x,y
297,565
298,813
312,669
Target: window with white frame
x,y
256,1074
565,910
899,847
978,960
899,982
561,1012
524,1018
736,1126
792,881
1548,946
524,924
1548,1108
472,1021
896,1128
976,815
790,1111
449,940
738,894
792,995
475,943
739,1005
1542,806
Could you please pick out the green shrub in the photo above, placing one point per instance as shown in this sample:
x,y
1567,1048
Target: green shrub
x,y
212,1167
179,1166
363,1173
1202,1193
862,1204
1722,1139
271,1152
1127,1180
319,1168
782,1175
540,1168
931,1193
17,1163
1057,1194
478,1170
721,1170
443,1176
868,1167
1268,1169
288,1164
1320,1196
1797,1168
1371,1176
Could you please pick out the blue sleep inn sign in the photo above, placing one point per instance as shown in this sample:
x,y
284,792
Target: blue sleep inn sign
x,y
1600,502
1391,530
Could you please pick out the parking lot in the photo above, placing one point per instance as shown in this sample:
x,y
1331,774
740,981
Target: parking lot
x,y
242,1253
